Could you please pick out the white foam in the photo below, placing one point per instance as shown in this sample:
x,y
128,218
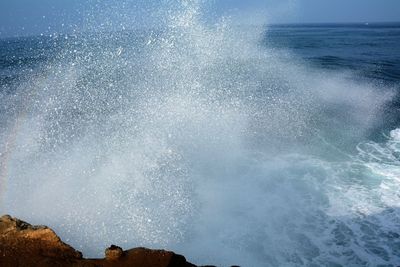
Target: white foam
x,y
395,134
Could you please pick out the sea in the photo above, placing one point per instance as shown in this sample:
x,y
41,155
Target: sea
x,y
249,145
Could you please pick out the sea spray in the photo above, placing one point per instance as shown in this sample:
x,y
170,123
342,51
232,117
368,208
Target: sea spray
x,y
197,137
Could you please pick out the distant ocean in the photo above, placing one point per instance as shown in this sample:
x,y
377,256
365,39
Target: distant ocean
x,y
255,146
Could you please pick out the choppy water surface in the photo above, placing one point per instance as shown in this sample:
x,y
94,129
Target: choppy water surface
x,y
248,145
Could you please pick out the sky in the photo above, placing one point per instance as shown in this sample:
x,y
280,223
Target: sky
x,y
32,17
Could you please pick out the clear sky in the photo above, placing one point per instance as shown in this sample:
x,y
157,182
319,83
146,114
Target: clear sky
x,y
31,17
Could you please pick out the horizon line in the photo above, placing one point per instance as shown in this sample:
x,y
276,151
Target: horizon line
x,y
363,23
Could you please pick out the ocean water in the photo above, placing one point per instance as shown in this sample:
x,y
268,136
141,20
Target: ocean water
x,y
261,145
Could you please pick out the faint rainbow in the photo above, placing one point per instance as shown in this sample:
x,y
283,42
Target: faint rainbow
x,y
5,156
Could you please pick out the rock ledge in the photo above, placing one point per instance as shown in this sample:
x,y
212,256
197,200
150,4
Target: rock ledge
x,y
22,244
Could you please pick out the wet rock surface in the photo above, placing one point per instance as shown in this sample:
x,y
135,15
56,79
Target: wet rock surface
x,y
22,244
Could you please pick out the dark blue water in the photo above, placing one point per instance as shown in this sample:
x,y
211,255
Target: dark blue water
x,y
371,51
368,51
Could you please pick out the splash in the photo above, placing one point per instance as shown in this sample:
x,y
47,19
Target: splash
x,y
194,137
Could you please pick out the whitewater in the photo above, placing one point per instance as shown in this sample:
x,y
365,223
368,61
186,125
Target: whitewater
x,y
204,139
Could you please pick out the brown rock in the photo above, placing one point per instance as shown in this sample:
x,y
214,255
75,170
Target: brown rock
x,y
114,253
22,244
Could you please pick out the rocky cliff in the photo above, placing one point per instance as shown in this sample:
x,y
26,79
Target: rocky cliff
x,y
22,244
